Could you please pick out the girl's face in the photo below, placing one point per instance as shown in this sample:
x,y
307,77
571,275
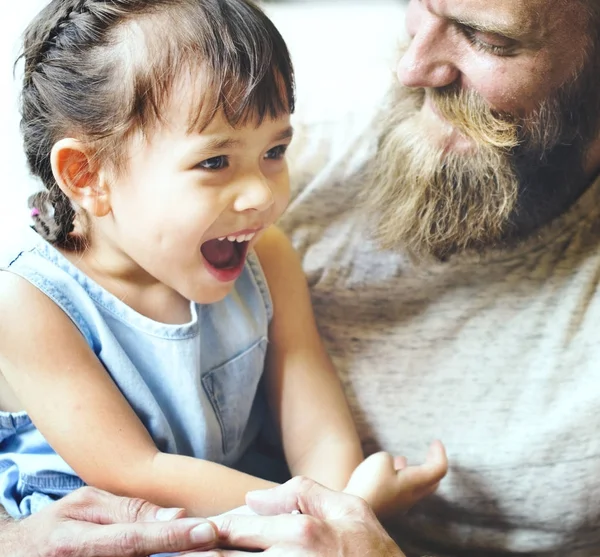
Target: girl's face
x,y
190,205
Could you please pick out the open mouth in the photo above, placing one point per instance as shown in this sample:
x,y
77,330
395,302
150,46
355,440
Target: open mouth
x,y
224,254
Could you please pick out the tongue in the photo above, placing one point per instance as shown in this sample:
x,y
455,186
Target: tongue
x,y
219,254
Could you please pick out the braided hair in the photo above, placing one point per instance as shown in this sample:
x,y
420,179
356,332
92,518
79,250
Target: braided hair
x,y
52,213
86,78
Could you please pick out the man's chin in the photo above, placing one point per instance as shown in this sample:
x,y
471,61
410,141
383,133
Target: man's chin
x,y
457,144
435,192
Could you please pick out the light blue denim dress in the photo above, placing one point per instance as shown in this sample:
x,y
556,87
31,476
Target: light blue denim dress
x,y
195,387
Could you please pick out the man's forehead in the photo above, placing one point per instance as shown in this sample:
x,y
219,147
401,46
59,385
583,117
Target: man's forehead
x,y
532,19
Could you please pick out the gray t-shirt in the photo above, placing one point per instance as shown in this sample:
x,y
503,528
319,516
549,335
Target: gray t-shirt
x,y
498,356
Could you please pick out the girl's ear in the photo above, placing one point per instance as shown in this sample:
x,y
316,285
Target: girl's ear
x,y
79,178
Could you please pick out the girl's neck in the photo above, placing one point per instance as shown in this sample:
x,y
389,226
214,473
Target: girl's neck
x,y
120,276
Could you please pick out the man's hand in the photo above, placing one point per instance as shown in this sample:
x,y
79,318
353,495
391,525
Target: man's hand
x,y
391,487
93,523
332,524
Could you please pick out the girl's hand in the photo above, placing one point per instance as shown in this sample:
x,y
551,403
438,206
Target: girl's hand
x,y
390,486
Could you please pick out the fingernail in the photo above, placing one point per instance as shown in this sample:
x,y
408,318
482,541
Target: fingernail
x,y
203,533
165,515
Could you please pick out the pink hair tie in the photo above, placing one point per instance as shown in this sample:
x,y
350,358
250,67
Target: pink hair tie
x,y
35,212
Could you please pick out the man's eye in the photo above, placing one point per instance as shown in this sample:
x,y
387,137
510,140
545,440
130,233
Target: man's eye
x,y
276,153
489,42
214,163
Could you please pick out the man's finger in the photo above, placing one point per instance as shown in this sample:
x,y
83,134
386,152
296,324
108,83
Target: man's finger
x,y
142,539
99,507
279,551
308,497
260,532
217,553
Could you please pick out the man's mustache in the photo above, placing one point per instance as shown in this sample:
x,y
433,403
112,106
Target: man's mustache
x,y
471,116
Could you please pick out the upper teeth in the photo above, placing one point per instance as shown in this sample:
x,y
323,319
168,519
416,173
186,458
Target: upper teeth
x,y
240,238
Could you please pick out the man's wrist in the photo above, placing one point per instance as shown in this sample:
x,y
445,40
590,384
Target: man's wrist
x,y
10,535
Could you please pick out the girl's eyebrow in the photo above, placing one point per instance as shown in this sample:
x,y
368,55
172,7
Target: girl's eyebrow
x,y
288,133
218,143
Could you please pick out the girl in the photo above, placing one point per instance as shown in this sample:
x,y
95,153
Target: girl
x,y
133,340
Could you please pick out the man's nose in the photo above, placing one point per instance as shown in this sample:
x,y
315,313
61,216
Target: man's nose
x,y
428,60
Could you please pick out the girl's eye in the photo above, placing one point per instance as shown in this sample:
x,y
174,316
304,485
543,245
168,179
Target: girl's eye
x,y
214,163
276,153
489,42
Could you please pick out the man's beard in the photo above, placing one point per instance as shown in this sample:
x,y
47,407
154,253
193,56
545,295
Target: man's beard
x,y
517,175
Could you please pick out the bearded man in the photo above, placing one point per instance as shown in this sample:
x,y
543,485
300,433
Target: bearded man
x,y
453,251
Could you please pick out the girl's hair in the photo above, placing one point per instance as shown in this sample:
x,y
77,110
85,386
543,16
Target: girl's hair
x,y
100,70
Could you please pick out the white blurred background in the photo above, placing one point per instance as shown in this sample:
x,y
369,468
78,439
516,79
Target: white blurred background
x,y
343,51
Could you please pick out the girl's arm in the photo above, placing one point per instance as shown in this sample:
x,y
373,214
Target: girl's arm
x,y
319,436
76,406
